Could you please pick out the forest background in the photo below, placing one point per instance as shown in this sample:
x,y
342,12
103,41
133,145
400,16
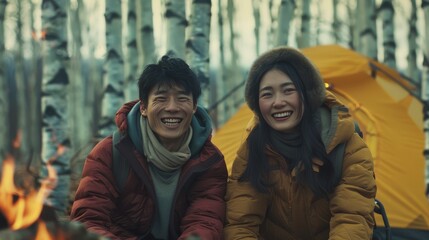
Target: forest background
x,y
68,65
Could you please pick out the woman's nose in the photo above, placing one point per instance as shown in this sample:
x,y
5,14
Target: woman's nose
x,y
279,101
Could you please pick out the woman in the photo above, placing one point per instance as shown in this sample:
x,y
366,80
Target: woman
x,y
282,184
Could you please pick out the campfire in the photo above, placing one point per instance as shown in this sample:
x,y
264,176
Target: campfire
x,y
23,214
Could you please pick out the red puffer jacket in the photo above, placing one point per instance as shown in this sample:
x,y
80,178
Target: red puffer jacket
x,y
198,206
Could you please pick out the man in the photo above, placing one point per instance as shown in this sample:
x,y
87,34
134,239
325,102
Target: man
x,y
176,184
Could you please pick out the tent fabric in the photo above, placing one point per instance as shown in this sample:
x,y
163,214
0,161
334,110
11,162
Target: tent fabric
x,y
390,118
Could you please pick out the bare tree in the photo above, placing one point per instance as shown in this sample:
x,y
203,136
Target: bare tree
x,y
412,69
175,18
336,21
304,38
113,94
367,34
425,90
257,16
197,45
4,103
55,118
147,41
131,65
389,44
285,17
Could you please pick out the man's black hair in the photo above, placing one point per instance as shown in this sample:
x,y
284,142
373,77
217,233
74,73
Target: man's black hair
x,y
168,71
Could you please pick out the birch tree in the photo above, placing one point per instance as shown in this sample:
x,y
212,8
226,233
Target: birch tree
x,y
147,41
389,45
233,69
412,70
220,118
4,103
304,38
55,120
113,95
336,21
175,19
285,17
425,90
367,34
131,65
257,16
197,45
22,85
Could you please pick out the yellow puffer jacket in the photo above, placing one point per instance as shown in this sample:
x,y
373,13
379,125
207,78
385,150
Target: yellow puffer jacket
x,y
291,211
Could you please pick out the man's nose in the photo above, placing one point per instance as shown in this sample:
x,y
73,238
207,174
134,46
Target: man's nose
x,y
172,105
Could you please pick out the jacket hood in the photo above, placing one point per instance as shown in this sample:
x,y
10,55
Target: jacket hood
x,y
128,121
337,123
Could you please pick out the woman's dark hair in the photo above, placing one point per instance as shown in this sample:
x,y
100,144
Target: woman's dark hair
x,y
170,71
258,168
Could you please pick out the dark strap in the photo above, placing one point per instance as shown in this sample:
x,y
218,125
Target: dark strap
x,y
337,156
120,167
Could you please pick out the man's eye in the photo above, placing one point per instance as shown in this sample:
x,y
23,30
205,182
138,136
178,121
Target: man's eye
x,y
160,99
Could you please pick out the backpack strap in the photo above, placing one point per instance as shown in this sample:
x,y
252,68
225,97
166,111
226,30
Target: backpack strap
x,y
337,156
120,167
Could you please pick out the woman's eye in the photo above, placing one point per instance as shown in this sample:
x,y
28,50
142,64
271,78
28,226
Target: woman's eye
x,y
266,94
289,90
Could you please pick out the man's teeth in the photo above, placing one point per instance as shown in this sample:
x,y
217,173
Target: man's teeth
x,y
171,120
283,114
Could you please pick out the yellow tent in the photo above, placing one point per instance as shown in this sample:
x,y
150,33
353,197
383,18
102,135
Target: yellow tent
x,y
391,120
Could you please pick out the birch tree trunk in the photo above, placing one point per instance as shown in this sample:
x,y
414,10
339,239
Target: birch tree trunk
x,y
425,89
387,14
233,70
304,38
113,95
131,65
412,70
367,30
22,87
147,41
285,17
197,45
336,27
4,103
175,19
220,83
257,16
55,117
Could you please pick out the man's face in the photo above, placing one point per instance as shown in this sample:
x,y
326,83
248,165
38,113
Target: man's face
x,y
169,111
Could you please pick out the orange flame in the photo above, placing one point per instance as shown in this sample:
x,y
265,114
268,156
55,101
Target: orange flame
x,y
26,209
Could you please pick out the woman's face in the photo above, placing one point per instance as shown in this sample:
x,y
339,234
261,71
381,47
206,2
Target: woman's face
x,y
279,101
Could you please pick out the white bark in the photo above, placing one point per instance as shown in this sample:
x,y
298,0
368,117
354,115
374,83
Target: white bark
x,y
197,45
366,12
4,103
336,21
55,118
285,17
257,16
389,44
425,89
304,38
146,40
113,95
131,66
412,70
175,18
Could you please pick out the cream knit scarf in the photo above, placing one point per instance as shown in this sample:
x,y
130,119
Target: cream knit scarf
x,y
157,154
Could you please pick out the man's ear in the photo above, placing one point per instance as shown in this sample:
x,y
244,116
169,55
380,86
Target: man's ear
x,y
143,109
195,108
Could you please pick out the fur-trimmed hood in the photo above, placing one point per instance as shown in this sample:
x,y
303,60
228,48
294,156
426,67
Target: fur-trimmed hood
x,y
307,72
